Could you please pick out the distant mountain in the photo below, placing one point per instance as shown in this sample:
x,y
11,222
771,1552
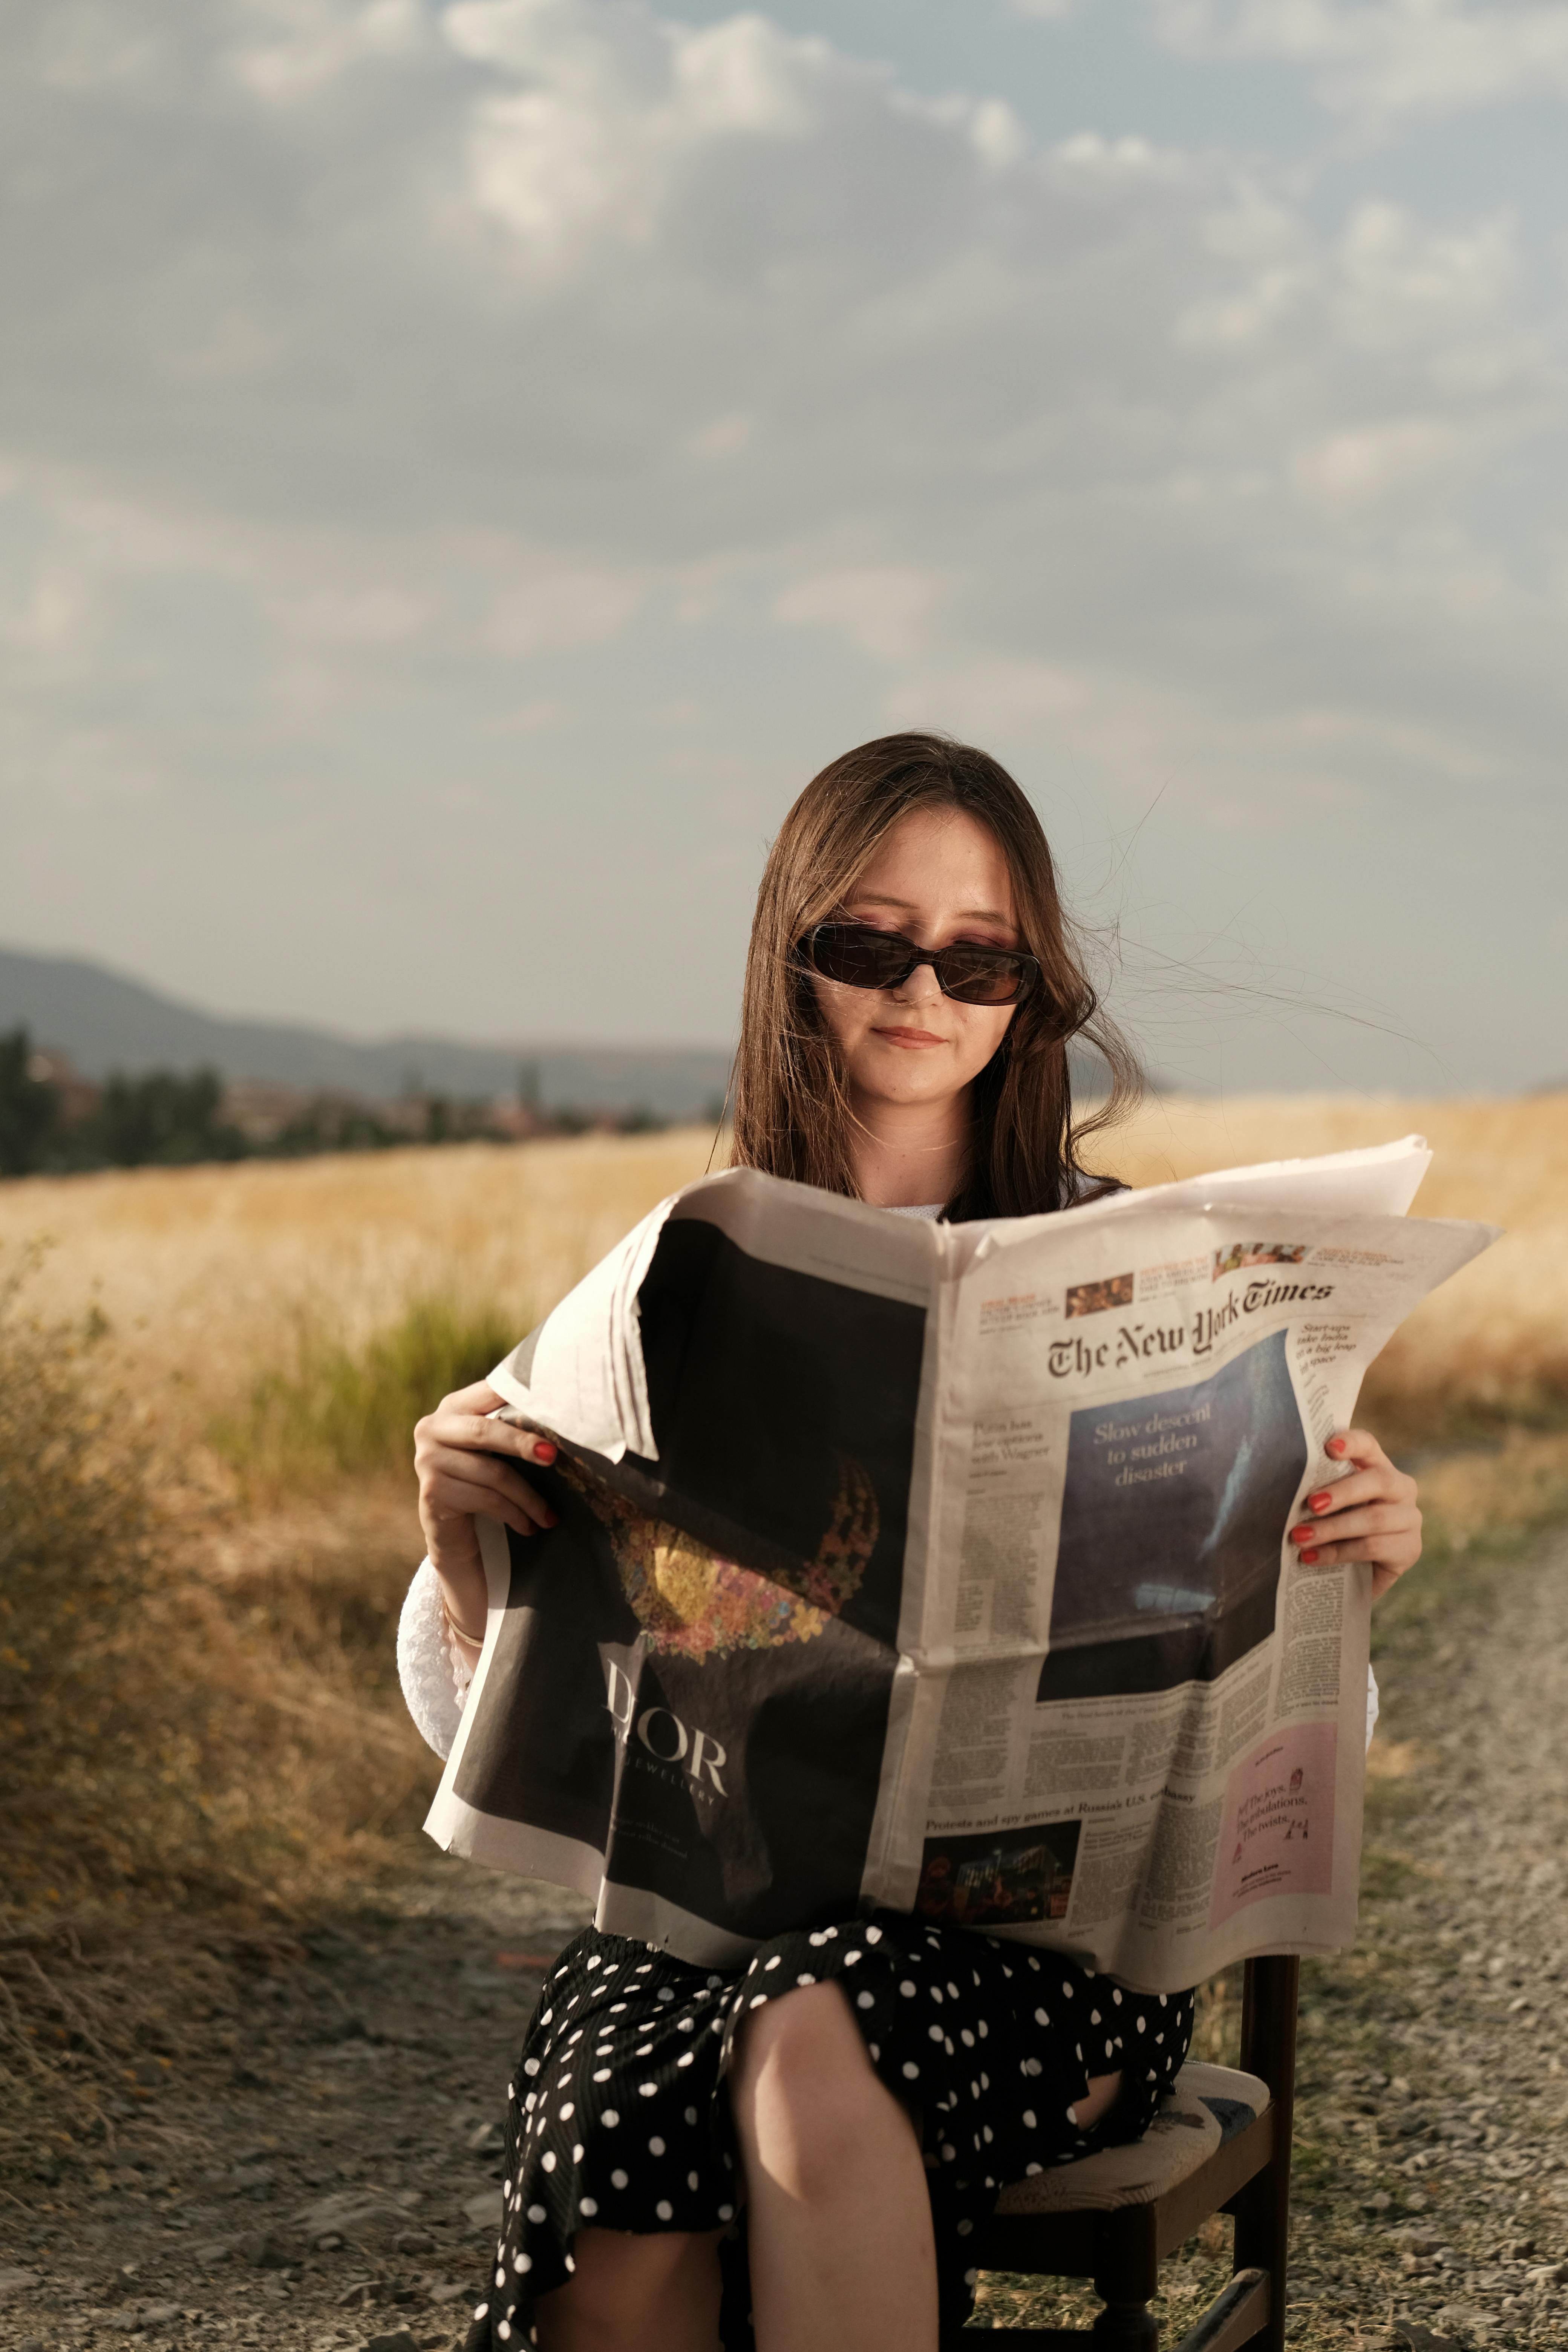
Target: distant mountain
x,y
105,1023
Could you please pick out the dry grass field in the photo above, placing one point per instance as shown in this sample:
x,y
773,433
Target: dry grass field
x,y
268,1332
207,1275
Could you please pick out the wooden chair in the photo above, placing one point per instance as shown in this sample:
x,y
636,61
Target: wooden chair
x,y
1220,2143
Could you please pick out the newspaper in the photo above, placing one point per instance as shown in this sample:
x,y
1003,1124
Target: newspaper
x,y
945,1569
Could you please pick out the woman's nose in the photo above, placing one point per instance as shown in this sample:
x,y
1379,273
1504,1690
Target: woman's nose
x,y
920,986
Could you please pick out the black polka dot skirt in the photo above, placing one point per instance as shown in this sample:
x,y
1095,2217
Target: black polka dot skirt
x,y
618,2117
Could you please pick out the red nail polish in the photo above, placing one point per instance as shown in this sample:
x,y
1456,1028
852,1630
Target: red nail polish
x,y
1301,1535
1308,1558
544,1451
1319,1502
1335,1445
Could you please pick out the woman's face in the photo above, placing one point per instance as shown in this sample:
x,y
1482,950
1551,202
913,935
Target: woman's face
x,y
938,876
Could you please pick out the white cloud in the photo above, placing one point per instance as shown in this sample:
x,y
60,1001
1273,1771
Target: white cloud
x,y
886,610
1390,61
1357,471
534,395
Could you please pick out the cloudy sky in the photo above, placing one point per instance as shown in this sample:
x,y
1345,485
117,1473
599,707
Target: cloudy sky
x,y
464,467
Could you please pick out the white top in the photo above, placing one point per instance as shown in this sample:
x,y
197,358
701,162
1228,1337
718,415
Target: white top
x,y
436,1672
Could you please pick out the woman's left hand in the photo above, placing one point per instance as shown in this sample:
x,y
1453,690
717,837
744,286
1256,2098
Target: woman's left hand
x,y
1373,1515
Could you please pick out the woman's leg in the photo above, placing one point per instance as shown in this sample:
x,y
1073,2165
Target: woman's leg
x,y
636,2294
838,2218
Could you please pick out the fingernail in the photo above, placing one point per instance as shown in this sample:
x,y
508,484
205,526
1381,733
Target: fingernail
x,y
543,1450
1308,1558
1319,1502
1301,1535
1335,1445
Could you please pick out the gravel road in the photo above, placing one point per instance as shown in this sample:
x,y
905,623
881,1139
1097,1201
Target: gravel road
x,y
305,2152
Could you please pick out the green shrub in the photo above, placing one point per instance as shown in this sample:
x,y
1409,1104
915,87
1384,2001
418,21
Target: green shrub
x,y
337,1408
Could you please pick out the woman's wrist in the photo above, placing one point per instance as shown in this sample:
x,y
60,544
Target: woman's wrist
x,y
465,1601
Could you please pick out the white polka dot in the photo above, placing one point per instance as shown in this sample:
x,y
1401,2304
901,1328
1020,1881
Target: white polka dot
x,y
618,2179
757,2000
1138,2021
816,1941
1040,2018
1029,2119
502,2329
907,1988
566,2114
648,2090
531,2065
686,2058
1066,1988
521,2263
665,2209
603,2075
865,2000
852,1959
500,2278
964,2227
934,2032
692,2115
876,2052
536,2213
775,1961
726,2212
656,2145
981,2028
587,2206
548,2159
966,2036
481,2310
611,2117
692,2180
1029,2169
873,1934
911,2071
577,2153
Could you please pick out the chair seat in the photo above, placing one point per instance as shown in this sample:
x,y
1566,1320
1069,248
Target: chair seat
x,y
1204,2106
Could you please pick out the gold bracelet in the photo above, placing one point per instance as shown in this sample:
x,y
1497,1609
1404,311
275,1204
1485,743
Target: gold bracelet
x,y
474,1641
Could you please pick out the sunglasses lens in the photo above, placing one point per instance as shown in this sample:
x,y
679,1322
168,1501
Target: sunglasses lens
x,y
856,958
974,978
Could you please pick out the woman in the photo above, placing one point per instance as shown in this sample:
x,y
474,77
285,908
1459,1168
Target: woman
x,y
910,993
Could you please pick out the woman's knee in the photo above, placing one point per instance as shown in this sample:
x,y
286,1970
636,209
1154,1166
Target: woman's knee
x,y
624,2283
806,2096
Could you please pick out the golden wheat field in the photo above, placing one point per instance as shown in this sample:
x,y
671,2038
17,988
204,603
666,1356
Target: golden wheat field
x,y
271,1330
204,1274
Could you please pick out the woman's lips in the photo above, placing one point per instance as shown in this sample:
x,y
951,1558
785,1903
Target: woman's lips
x,y
909,1036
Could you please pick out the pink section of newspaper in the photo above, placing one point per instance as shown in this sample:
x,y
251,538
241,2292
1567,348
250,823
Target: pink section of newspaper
x,y
1278,1831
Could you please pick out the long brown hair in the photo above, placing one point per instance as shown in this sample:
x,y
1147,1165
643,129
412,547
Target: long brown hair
x,y
792,1108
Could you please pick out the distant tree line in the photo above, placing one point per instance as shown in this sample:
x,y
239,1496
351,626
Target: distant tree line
x,y
52,1123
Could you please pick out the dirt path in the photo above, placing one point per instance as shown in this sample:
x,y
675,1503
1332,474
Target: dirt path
x,y
312,2164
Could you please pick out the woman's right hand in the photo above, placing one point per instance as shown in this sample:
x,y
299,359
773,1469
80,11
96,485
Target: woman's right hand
x,y
465,1463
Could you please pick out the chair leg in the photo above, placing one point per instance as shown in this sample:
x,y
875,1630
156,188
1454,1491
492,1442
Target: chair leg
x,y
1127,2328
1263,2208
1126,2274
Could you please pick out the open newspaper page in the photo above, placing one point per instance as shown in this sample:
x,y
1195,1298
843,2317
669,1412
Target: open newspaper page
x,y
945,1569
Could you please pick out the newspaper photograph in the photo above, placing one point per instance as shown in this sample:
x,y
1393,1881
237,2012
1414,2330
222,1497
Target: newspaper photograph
x,y
944,1569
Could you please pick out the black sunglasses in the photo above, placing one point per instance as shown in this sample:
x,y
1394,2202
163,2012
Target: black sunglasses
x,y
857,956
